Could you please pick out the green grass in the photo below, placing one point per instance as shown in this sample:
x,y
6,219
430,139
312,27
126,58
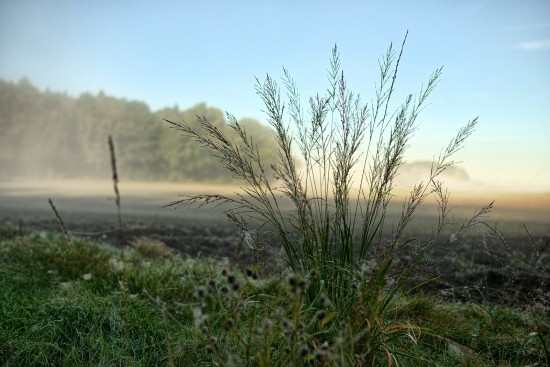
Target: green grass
x,y
91,305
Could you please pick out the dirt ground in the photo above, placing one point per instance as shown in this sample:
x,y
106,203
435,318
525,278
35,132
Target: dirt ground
x,y
504,266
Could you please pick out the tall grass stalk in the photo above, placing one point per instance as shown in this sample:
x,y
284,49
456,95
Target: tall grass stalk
x,y
115,185
351,153
61,222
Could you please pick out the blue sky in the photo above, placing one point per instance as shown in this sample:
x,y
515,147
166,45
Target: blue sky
x,y
496,58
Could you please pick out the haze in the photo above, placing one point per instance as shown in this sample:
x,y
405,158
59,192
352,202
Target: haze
x,y
495,56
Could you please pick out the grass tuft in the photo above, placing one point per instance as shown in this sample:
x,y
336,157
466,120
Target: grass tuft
x,y
351,152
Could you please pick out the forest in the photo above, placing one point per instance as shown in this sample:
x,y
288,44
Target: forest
x,y
53,135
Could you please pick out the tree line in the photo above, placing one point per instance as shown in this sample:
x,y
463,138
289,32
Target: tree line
x,y
53,135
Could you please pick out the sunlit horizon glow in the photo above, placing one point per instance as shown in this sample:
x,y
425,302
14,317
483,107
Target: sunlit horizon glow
x,y
495,56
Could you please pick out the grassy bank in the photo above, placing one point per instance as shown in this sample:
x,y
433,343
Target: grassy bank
x,y
90,304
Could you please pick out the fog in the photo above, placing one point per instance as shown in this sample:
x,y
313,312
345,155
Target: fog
x,y
148,200
54,145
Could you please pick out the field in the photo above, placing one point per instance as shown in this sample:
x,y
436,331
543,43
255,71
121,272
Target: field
x,y
88,209
484,279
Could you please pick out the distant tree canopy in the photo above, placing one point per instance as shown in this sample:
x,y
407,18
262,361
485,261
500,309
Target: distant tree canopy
x,y
53,135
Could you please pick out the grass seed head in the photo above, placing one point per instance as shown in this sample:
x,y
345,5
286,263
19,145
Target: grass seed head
x,y
229,324
287,324
324,301
201,292
320,315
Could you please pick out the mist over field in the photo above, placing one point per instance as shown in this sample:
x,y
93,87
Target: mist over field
x,y
50,135
56,145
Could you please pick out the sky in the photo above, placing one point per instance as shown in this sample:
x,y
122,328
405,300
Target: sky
x,y
495,56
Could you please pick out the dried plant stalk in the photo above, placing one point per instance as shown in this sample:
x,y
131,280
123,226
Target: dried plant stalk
x,y
115,186
61,223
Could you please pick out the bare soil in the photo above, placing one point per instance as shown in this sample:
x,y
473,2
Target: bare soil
x,y
513,269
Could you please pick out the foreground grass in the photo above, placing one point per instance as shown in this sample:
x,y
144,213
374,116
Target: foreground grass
x,y
90,304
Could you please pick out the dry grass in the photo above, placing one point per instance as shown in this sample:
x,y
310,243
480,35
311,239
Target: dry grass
x,y
151,249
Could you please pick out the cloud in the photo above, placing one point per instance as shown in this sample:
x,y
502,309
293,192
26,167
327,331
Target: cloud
x,y
534,45
530,26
